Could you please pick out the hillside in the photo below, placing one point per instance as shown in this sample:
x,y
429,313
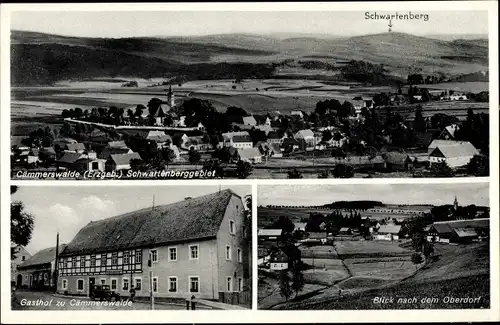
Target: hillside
x,y
460,271
42,59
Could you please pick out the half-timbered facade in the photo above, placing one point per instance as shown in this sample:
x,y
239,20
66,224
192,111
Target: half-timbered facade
x,y
197,247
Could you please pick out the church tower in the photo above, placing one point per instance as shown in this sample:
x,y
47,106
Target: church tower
x,y
171,97
455,204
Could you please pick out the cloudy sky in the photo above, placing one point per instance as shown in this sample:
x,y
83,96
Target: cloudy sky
x,y
67,209
436,194
184,23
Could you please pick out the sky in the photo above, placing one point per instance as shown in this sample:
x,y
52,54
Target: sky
x,y
189,23
67,209
435,194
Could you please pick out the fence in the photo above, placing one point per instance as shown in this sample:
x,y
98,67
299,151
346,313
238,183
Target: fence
x,y
236,298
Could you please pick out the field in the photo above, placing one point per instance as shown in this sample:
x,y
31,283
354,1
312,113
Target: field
x,y
457,271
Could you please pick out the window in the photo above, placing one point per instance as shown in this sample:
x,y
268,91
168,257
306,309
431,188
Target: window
x,y
193,252
228,252
138,284
231,227
154,255
172,284
244,230
240,257
114,284
125,284
138,256
23,258
103,260
172,254
126,257
194,284
65,284
240,284
155,284
95,165
229,284
79,284
114,259
103,281
82,261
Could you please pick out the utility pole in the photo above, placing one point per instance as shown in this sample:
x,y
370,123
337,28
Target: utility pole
x,y
56,264
390,26
150,263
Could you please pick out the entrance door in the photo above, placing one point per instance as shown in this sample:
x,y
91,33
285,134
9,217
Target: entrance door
x,y
91,285
19,280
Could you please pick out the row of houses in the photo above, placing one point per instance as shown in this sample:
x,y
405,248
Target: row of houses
x,y
196,247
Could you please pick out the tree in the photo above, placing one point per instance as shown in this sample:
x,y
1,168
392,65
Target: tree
x,y
479,165
284,223
243,169
297,280
294,174
416,259
441,169
168,155
21,224
139,110
194,156
343,171
419,122
137,165
428,250
323,173
153,105
284,284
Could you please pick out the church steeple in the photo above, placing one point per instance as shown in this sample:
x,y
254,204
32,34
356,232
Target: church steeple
x,y
171,97
455,204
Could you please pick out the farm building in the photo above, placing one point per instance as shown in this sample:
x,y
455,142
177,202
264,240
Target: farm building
x,y
396,161
345,231
300,226
195,247
455,154
269,234
306,135
74,147
121,161
459,231
117,144
270,150
275,137
321,237
449,132
249,120
297,113
388,232
158,136
108,151
37,272
251,155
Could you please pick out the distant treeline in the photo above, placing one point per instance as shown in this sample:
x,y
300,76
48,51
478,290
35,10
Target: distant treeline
x,y
45,64
355,205
366,72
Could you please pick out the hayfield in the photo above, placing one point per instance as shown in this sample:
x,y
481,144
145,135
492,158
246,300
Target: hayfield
x,y
324,277
367,247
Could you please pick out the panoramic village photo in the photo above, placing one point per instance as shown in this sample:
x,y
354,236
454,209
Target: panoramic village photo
x,y
265,95
383,246
131,248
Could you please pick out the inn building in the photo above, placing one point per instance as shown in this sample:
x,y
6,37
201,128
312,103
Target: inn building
x,y
198,247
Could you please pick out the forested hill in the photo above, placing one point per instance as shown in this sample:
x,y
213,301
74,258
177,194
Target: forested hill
x,y
363,204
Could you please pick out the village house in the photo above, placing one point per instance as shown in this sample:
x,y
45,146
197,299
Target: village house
x,y
297,113
345,231
270,150
197,247
275,137
61,143
251,155
396,161
249,120
458,96
81,161
458,231
159,137
300,226
20,255
198,143
37,272
108,151
388,232
316,237
74,147
33,156
269,234
117,144
306,135
243,139
449,132
120,161
454,153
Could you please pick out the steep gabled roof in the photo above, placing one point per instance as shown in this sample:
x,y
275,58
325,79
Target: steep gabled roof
x,y
464,149
242,138
70,157
75,146
389,229
249,153
125,158
188,220
44,256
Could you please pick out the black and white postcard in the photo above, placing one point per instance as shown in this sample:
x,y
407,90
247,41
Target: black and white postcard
x,y
398,246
